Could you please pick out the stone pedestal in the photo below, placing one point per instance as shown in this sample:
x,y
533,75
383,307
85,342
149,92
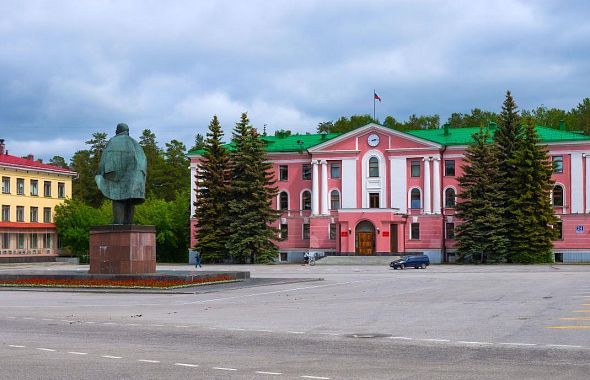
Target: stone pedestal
x,y
122,249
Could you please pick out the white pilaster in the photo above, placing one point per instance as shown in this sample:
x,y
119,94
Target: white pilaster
x,y
315,191
577,201
426,205
436,185
324,201
587,183
193,190
349,182
398,178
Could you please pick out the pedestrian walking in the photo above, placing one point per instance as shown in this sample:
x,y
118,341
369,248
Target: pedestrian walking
x,y
198,259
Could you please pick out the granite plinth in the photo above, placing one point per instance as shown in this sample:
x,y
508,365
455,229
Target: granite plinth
x,y
122,249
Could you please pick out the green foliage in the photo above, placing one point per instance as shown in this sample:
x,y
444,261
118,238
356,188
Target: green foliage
x,y
212,182
177,171
74,219
156,171
85,163
58,161
171,219
199,142
252,190
481,236
476,118
345,124
530,209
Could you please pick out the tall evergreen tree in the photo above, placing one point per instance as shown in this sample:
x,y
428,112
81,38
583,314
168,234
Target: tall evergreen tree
x,y
177,172
156,171
481,236
508,141
212,182
531,210
252,190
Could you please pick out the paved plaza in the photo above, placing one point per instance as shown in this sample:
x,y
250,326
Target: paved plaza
x,y
341,322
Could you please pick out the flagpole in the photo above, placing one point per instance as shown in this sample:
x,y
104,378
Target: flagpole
x,y
374,104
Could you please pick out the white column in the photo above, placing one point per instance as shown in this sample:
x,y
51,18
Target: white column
x,y
577,201
398,179
349,182
436,185
315,191
193,190
426,205
587,183
324,201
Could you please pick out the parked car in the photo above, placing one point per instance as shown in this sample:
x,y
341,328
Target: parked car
x,y
421,261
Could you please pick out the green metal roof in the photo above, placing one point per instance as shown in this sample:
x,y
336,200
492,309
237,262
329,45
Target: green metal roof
x,y
456,136
462,136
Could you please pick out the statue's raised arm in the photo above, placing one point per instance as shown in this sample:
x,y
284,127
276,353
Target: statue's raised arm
x,y
121,174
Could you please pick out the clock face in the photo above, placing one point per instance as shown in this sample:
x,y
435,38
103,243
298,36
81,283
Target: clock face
x,y
373,140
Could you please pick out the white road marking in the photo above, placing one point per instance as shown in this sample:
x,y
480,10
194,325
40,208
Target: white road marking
x,y
332,334
468,342
109,323
563,346
186,365
400,337
434,340
518,344
90,323
157,325
29,318
11,317
295,332
148,361
224,369
132,324
269,373
181,326
77,353
111,357
314,377
16,346
235,329
266,331
47,319
45,349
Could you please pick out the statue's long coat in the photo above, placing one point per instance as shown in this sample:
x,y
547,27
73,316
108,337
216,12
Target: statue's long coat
x,y
122,170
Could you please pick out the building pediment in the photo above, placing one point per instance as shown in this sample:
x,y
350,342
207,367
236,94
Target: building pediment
x,y
371,136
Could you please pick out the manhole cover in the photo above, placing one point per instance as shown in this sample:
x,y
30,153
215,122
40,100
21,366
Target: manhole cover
x,y
368,335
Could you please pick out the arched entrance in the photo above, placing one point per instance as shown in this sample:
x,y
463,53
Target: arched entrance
x,y
365,238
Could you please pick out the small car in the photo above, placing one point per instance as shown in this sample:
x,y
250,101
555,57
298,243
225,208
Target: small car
x,y
421,261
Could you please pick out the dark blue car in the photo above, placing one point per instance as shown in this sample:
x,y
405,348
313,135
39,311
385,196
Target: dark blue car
x,y
421,261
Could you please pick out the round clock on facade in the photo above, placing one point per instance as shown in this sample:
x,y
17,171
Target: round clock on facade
x,y
373,140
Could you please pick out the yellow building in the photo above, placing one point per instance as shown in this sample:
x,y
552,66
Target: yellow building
x,y
30,190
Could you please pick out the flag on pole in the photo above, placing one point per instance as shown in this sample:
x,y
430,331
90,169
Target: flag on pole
x,y
376,97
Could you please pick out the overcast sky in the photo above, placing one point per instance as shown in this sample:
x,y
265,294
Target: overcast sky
x,y
71,68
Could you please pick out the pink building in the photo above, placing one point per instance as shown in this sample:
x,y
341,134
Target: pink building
x,y
378,191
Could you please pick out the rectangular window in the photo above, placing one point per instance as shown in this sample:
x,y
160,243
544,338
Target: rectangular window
x,y
559,229
5,213
415,231
283,172
47,241
335,170
33,243
47,188
332,231
415,168
284,231
20,241
34,187
47,214
450,230
557,164
373,200
306,171
20,186
34,214
61,190
306,231
450,168
6,185
20,213
5,240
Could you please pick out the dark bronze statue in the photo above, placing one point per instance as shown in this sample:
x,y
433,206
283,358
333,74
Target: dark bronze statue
x,y
121,174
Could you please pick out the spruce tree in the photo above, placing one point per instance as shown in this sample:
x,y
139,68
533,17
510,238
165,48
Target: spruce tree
x,y
508,141
252,190
481,236
212,182
531,210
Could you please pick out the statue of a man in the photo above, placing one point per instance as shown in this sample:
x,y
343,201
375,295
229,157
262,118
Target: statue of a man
x,y
121,174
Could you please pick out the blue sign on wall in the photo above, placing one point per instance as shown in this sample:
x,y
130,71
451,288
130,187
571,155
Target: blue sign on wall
x,y
579,229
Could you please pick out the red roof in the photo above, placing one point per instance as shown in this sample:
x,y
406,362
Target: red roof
x,y
8,160
26,225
